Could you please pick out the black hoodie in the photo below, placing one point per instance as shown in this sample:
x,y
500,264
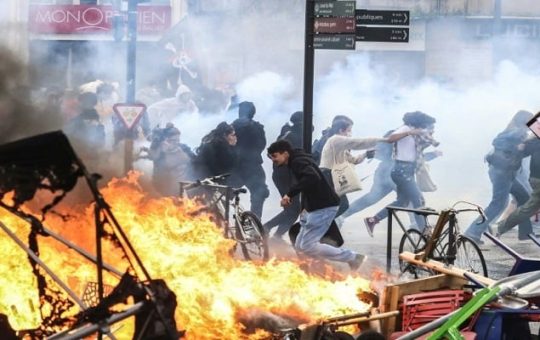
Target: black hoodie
x,y
318,193
251,141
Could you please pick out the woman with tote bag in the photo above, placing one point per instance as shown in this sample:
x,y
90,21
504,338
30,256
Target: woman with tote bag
x,y
337,163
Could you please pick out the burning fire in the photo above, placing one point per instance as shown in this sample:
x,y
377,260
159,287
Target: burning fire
x,y
216,293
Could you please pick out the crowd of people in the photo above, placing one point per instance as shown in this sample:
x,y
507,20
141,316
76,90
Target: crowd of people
x,y
325,176
237,149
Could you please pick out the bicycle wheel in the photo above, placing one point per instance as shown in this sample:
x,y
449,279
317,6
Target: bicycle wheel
x,y
469,257
254,244
412,241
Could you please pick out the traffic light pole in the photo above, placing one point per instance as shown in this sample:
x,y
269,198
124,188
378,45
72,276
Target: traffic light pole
x,y
309,64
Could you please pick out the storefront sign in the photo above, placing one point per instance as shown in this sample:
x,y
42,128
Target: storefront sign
x,y
88,19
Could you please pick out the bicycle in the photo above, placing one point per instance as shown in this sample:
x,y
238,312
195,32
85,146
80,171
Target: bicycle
x,y
246,229
446,245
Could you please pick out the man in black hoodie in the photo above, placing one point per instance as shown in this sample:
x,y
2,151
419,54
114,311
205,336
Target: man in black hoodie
x,y
283,178
319,201
250,145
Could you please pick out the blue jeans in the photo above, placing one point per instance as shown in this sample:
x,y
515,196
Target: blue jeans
x,y
403,174
382,186
314,225
503,183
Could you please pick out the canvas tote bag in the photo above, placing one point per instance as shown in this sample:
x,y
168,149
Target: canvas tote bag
x,y
344,177
423,179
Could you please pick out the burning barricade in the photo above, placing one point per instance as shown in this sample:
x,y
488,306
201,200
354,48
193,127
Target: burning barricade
x,y
86,273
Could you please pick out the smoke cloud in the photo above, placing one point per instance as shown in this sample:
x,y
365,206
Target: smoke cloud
x,y
472,89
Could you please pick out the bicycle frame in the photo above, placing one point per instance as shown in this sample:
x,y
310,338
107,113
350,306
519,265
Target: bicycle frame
x,y
391,215
446,216
222,198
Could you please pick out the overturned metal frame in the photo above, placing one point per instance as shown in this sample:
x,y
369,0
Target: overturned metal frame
x,y
101,209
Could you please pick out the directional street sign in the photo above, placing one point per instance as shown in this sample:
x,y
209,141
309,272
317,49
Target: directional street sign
x,y
335,8
382,17
382,34
334,41
129,114
335,25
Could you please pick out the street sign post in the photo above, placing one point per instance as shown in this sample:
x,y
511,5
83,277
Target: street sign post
x,y
129,114
334,41
335,25
382,34
335,8
382,17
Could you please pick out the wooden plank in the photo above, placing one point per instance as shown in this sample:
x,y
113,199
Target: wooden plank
x,y
385,307
392,306
441,268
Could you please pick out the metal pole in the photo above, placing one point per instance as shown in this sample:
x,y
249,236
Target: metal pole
x,y
81,251
69,71
131,76
34,257
89,329
131,50
389,240
309,62
99,257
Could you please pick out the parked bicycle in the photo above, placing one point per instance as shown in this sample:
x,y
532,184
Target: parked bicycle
x,y
443,243
246,228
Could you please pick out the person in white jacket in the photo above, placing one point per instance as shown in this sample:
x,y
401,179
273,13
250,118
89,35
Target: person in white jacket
x,y
337,148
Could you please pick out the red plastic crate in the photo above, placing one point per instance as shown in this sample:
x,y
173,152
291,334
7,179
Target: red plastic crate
x,y
419,309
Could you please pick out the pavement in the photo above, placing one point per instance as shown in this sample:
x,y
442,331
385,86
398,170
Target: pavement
x,y
499,262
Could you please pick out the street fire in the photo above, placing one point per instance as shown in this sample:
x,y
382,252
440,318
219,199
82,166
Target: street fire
x,y
219,296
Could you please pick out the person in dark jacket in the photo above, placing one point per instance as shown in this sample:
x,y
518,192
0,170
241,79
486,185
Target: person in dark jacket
x,y
504,162
217,153
283,179
523,213
172,160
320,203
251,143
86,130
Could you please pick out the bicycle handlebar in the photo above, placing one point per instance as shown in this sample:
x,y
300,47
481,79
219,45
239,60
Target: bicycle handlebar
x,y
476,208
208,180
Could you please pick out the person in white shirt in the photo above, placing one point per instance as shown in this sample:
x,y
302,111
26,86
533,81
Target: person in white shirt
x,y
337,148
407,151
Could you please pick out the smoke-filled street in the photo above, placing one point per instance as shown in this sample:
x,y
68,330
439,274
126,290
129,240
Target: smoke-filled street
x,y
228,169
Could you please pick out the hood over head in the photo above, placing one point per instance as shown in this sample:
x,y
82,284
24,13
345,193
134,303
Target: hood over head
x,y
181,90
246,110
297,118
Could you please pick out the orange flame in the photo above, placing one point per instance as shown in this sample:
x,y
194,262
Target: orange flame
x,y
214,289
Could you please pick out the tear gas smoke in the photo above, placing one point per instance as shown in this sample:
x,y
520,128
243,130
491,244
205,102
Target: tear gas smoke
x,y
259,48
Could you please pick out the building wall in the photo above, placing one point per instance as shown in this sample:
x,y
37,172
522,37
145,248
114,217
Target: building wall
x,y
13,26
457,7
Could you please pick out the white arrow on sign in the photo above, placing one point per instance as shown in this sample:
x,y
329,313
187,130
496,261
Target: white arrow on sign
x,y
129,113
405,35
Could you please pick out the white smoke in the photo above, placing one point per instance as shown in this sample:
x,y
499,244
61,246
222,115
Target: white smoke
x,y
260,50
